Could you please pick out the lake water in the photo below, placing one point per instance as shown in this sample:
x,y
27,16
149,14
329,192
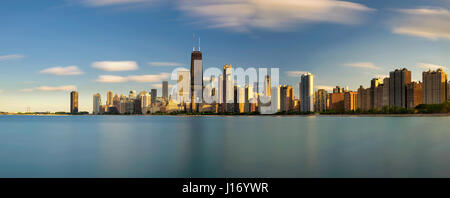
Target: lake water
x,y
259,146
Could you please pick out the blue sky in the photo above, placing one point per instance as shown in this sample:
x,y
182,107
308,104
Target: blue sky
x,y
48,47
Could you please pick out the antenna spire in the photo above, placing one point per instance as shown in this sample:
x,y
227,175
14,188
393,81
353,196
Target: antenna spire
x,y
193,42
198,43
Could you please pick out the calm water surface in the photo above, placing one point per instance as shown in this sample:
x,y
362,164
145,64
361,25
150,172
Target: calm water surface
x,y
160,146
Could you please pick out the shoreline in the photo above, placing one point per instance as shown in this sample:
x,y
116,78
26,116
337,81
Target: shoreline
x,y
263,115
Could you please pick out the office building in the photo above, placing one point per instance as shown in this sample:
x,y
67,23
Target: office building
x,y
398,80
307,92
350,101
320,100
97,102
109,98
414,94
337,102
196,79
386,92
73,102
286,98
154,94
434,86
165,90
228,89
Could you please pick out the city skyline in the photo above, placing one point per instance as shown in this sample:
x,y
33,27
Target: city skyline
x,y
137,57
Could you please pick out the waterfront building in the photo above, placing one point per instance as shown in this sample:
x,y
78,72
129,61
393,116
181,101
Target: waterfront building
x,y
363,99
154,94
386,86
109,98
434,86
132,94
228,89
97,102
249,98
116,102
130,106
73,102
397,87
286,98
378,97
267,86
165,90
337,102
146,101
338,89
413,94
196,78
350,101
307,92
375,97
183,86
320,100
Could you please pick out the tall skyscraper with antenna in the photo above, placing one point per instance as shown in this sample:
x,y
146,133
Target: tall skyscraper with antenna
x,y
196,78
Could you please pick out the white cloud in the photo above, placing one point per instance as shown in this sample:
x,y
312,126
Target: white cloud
x,y
430,66
100,3
295,73
26,90
367,65
159,85
277,15
115,65
51,88
328,88
429,23
62,71
11,57
165,64
134,78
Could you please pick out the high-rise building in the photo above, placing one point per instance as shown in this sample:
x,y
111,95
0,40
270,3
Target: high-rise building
x,y
398,80
267,86
220,91
73,102
132,95
196,79
434,86
413,94
320,100
228,89
109,98
97,102
145,100
250,105
286,98
183,86
123,104
337,102
386,87
165,90
363,99
375,97
338,89
307,92
116,102
350,101
154,94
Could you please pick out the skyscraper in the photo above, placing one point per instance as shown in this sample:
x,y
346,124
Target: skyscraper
x,y
286,98
109,99
228,89
350,101
267,86
97,102
413,94
196,78
165,90
132,95
154,93
307,92
73,102
145,100
183,86
434,86
398,80
320,100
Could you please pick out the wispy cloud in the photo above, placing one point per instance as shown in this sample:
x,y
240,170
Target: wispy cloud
x,y
62,71
165,64
366,65
11,57
429,23
430,66
134,78
276,15
295,73
115,65
100,3
159,85
328,88
51,88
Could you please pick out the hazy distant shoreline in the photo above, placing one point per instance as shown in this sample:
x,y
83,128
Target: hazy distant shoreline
x,y
270,115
